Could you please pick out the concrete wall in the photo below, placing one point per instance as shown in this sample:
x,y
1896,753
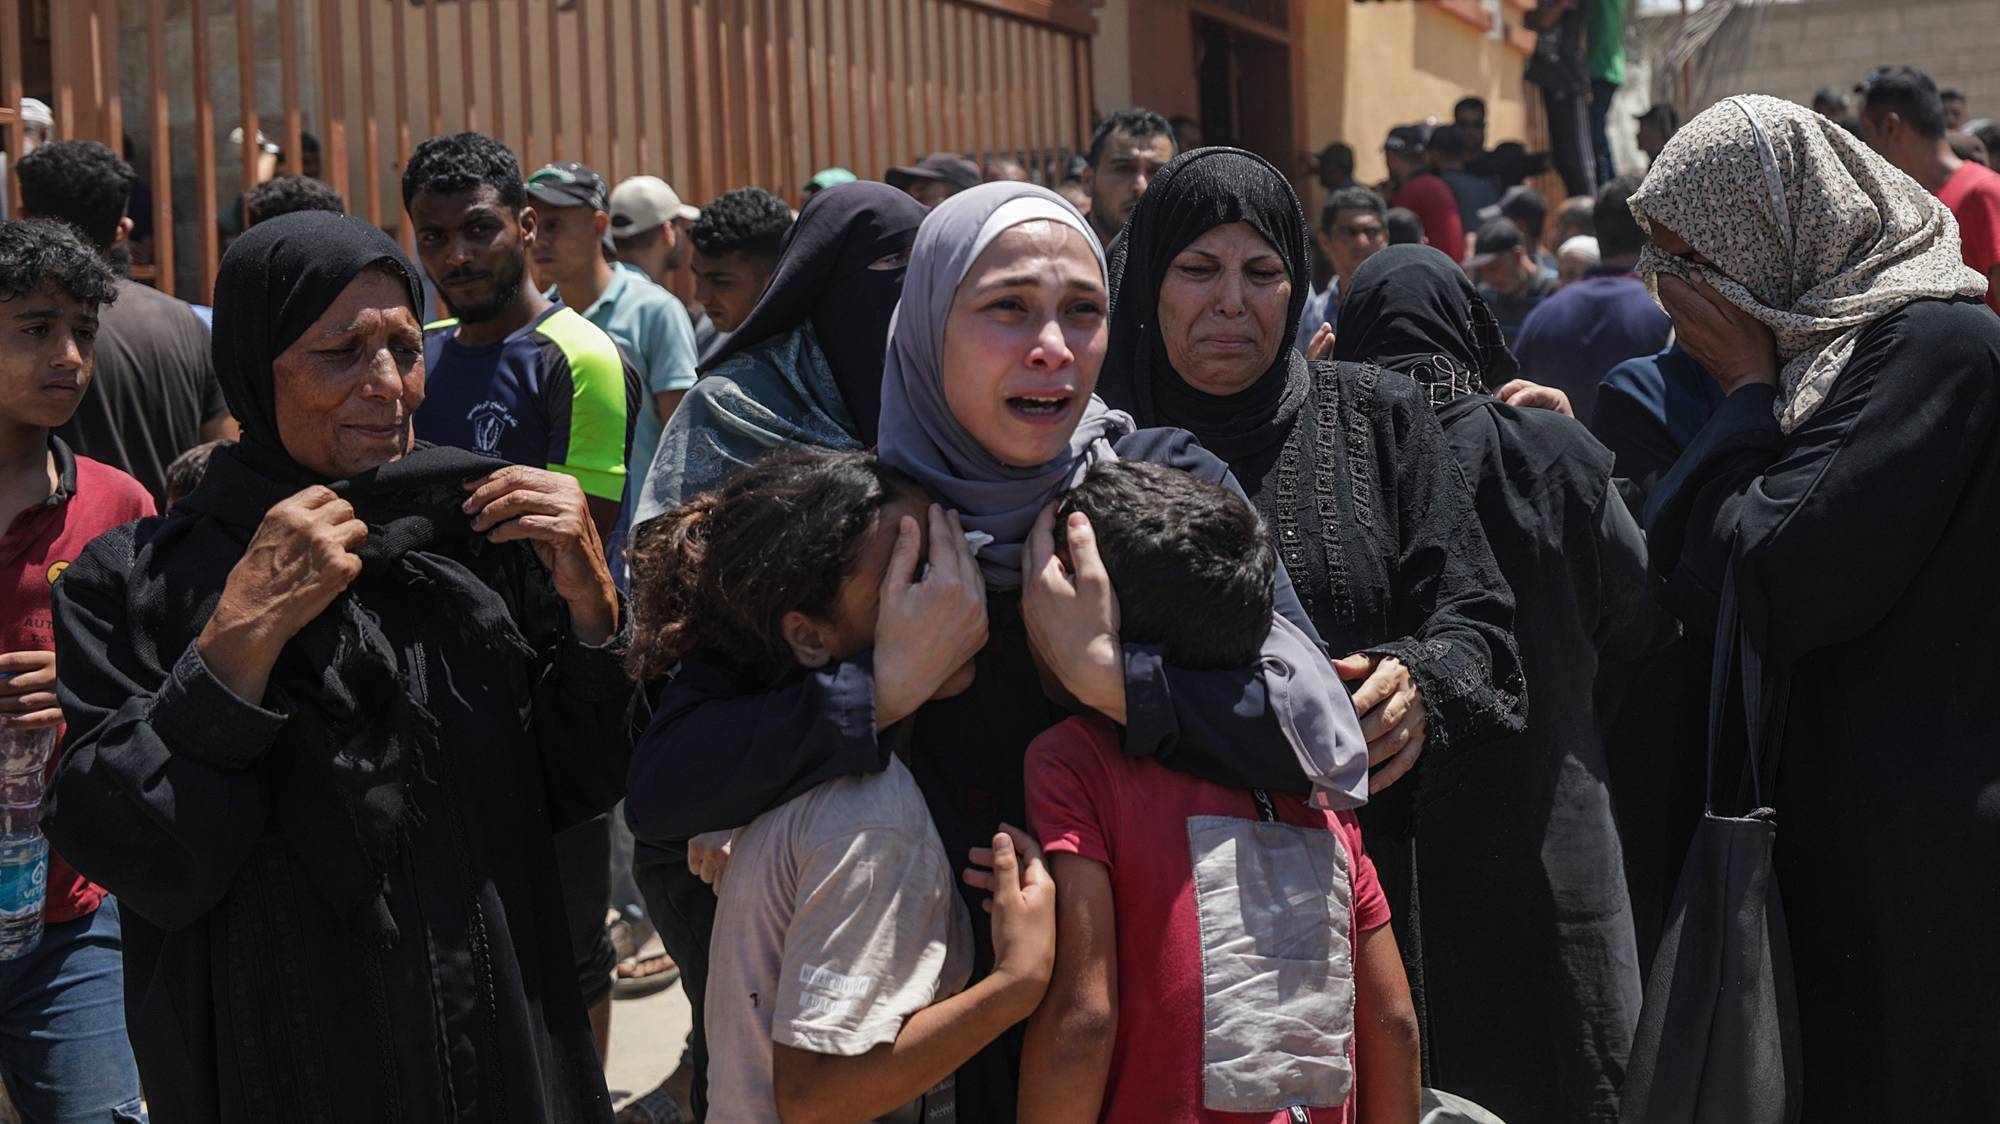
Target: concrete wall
x,y
1791,50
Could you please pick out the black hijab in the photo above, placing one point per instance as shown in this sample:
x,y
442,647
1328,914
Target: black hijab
x,y
823,276
354,736
1412,310
1196,192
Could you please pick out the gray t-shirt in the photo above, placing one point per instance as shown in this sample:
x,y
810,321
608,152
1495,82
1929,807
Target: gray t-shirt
x,y
837,919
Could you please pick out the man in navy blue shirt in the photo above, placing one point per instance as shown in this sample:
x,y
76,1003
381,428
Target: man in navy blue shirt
x,y
517,377
512,375
1573,339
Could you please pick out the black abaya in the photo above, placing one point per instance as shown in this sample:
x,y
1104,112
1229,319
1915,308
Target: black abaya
x,y
1865,542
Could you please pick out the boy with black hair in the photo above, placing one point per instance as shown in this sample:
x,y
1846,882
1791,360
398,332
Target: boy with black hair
x,y
63,1047
1218,951
1127,149
153,394
736,242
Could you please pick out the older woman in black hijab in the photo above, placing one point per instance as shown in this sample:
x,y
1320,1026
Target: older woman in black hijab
x,y
324,719
805,367
1346,464
1531,969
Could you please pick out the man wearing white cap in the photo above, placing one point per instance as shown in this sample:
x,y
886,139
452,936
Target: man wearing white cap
x,y
38,122
649,231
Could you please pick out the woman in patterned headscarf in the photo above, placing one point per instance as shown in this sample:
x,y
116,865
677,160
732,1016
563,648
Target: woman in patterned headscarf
x,y
1851,478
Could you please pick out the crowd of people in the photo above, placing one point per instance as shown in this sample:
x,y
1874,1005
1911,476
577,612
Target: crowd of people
x,y
1120,649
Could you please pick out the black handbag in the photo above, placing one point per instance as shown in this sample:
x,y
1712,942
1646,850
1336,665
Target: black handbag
x,y
1718,1034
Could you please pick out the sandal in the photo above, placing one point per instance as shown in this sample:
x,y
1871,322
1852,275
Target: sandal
x,y
645,972
656,1107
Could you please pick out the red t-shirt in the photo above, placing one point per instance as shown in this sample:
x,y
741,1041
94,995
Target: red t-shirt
x,y
1431,198
1087,798
38,546
1973,194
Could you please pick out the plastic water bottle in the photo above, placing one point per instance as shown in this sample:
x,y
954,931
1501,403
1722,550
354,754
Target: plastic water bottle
x,y
24,854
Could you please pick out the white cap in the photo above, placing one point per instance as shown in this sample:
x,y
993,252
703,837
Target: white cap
x,y
34,111
1580,244
644,202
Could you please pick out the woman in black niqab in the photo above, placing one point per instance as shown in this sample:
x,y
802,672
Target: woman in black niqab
x,y
805,367
340,897
1531,965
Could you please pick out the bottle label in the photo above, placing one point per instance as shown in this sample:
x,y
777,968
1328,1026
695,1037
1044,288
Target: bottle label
x,y
24,878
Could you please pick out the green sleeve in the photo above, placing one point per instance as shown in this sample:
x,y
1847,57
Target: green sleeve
x,y
588,409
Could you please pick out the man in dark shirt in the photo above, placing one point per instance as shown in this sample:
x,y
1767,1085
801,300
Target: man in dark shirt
x,y
517,377
1572,339
154,394
1511,282
1450,148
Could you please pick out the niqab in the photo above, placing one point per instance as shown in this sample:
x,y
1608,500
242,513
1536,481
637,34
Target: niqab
x,y
1194,193
919,433
1412,310
1809,230
824,276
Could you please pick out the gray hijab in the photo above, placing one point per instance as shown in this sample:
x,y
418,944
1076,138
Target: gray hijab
x,y
919,434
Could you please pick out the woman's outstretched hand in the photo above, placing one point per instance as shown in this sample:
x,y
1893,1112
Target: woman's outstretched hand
x,y
1072,614
1391,706
928,628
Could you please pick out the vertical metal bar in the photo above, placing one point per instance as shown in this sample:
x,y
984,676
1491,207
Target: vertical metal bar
x,y
371,130
933,54
525,79
831,21
246,89
204,150
750,80
288,82
399,51
1086,97
968,106
332,50
912,82
641,119
588,74
433,58
785,110
730,121
611,87
107,74
60,67
700,95
495,85
856,115
552,53
162,141
671,125
466,85
812,50
10,80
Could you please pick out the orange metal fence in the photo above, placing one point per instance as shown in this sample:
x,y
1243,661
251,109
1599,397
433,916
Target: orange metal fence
x,y
710,94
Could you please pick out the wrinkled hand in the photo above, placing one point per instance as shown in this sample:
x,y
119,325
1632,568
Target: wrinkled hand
x,y
301,558
1735,347
708,855
1321,346
28,696
1072,614
1023,906
1534,396
927,631
547,511
1391,706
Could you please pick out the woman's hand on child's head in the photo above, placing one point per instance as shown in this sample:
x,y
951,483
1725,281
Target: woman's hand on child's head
x,y
1072,614
926,628
1023,906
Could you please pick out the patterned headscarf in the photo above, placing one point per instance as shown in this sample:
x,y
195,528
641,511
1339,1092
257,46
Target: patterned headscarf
x,y
1809,231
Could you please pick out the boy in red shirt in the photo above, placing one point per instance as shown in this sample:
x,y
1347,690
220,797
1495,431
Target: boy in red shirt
x,y
1221,954
63,1050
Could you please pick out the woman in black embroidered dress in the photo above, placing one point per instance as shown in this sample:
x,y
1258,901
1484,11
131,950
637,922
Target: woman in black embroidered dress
x,y
1348,466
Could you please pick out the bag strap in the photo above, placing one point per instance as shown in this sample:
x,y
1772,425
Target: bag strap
x,y
1734,651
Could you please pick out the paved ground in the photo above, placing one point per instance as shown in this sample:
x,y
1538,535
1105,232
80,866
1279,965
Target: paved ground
x,y
646,1038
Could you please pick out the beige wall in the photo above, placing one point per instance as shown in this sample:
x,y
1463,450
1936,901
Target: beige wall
x,y
1791,50
1402,62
